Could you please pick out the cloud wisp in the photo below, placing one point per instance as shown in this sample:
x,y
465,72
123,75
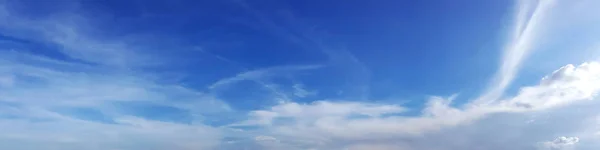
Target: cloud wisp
x,y
529,17
99,98
73,35
310,39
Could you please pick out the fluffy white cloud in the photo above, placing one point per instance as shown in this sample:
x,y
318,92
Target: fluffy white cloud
x,y
565,85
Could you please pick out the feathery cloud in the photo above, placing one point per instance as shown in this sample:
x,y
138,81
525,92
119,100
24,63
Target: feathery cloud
x,y
529,17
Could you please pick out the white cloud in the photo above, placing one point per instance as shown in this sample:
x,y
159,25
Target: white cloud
x,y
560,143
565,85
329,125
314,111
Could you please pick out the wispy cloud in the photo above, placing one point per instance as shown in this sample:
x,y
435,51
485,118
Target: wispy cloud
x,y
38,91
262,74
529,17
300,91
35,94
262,77
54,86
74,37
305,36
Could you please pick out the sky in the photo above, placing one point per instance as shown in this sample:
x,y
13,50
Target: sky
x,y
299,75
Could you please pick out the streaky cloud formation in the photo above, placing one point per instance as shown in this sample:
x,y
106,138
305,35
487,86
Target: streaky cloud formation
x,y
69,33
36,109
529,16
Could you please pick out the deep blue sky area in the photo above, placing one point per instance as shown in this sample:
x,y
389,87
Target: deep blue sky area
x,y
387,51
408,49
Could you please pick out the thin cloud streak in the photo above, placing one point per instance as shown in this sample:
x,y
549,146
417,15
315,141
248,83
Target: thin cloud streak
x,y
527,23
306,37
260,76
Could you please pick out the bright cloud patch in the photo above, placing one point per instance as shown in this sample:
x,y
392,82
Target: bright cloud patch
x,y
560,143
565,85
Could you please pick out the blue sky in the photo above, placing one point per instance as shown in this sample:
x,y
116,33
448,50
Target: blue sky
x,y
284,74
